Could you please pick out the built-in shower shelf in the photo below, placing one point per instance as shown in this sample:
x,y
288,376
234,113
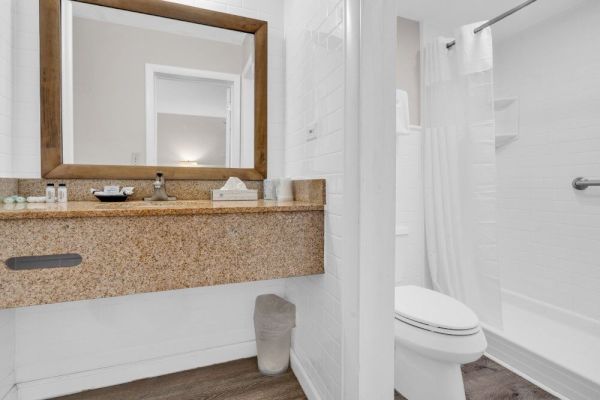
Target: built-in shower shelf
x,y
505,138
507,120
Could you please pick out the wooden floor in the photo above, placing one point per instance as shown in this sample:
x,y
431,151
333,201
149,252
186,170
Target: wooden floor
x,y
240,380
236,380
487,380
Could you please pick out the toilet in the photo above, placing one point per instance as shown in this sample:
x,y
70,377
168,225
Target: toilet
x,y
434,335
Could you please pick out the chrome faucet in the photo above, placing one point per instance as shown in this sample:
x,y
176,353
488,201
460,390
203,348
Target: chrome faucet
x,y
160,189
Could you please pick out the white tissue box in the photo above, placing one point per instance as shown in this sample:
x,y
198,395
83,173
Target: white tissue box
x,y
234,195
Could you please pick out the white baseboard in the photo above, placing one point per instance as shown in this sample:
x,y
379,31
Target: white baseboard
x,y
546,374
309,390
114,375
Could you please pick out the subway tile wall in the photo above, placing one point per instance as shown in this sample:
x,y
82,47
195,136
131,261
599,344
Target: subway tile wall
x,y
25,90
410,226
6,10
314,49
549,234
7,187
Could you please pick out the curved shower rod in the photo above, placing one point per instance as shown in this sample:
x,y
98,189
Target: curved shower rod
x,y
496,19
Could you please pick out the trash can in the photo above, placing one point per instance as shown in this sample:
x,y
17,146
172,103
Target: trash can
x,y
274,319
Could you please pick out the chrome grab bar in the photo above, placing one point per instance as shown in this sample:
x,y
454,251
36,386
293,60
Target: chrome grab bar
x,y
583,183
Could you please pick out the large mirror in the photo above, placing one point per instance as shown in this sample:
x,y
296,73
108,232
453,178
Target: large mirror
x,y
147,84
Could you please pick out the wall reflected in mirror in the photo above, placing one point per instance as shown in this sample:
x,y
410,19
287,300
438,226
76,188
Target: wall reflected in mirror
x,y
145,90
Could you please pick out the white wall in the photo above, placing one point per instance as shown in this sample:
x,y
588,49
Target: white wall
x,y
408,64
314,39
410,227
109,83
549,235
7,339
126,332
191,97
6,10
7,354
25,87
68,347
344,340
19,90
25,60
191,138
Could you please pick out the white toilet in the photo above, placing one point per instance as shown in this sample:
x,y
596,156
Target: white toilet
x,y
435,334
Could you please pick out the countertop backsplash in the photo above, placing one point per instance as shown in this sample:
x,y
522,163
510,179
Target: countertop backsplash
x,y
8,187
79,189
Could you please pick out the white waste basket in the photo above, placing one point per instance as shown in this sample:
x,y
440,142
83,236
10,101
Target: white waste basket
x,y
274,319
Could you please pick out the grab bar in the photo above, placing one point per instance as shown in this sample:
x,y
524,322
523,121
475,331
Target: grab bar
x,y
583,183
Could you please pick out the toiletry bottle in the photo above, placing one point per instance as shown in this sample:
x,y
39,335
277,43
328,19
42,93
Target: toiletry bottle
x,y
62,193
50,193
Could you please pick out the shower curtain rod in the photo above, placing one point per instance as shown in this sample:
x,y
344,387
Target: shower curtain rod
x,y
496,19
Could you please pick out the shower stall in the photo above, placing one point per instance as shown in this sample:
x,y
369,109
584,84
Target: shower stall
x,y
542,319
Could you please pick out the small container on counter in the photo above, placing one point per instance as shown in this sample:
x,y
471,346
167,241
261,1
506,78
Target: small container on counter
x,y
50,193
269,189
283,190
62,193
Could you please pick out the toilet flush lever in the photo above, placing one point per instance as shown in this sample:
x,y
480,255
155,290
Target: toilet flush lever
x,y
583,183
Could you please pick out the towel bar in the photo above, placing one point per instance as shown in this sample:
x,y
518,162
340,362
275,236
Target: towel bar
x,y
583,183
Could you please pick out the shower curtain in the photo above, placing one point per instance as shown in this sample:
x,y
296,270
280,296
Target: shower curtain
x,y
459,169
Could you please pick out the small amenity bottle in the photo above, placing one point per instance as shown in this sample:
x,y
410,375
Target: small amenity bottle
x,y
62,193
50,193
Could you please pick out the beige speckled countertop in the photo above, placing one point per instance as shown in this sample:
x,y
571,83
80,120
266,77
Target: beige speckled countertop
x,y
147,247
86,209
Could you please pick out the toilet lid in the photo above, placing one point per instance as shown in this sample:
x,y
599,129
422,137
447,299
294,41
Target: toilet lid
x,y
434,311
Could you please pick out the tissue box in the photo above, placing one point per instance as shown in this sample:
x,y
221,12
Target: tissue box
x,y
234,195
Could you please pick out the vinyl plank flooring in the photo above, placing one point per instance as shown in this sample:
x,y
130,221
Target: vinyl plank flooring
x,y
240,380
486,380
236,380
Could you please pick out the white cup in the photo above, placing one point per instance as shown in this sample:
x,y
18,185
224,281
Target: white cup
x,y
284,190
270,189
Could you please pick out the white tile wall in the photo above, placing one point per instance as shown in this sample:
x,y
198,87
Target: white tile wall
x,y
25,90
7,328
314,48
410,228
549,234
6,10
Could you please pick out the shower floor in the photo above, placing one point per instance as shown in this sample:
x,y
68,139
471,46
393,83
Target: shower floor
x,y
571,341
553,347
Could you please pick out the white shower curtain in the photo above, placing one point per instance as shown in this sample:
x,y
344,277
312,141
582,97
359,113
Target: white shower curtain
x,y
459,169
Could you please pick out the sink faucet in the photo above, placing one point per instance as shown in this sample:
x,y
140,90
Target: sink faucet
x,y
160,189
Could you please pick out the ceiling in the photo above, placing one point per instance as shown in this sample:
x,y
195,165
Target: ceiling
x,y
448,15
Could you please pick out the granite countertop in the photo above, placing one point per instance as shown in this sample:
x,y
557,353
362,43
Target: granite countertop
x,y
87,209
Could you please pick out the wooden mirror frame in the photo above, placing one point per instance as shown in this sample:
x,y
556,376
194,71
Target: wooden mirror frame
x,y
51,95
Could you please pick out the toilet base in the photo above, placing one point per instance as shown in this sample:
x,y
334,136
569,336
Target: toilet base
x,y
420,378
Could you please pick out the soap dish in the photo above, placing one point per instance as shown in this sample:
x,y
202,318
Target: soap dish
x,y
112,193
110,197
